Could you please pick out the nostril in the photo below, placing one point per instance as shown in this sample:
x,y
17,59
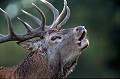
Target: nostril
x,y
77,29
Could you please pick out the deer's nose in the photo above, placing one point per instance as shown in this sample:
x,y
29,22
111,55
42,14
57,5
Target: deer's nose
x,y
82,28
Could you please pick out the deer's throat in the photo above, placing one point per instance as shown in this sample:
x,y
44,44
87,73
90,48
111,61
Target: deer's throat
x,y
33,64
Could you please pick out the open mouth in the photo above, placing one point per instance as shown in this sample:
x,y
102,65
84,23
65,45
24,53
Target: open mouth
x,y
82,36
82,41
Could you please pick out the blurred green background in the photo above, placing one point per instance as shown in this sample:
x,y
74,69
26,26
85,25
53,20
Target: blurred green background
x,y
102,20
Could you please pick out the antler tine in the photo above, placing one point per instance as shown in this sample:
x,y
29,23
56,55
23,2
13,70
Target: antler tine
x,y
43,18
10,26
4,38
60,16
52,8
33,17
65,19
13,37
27,26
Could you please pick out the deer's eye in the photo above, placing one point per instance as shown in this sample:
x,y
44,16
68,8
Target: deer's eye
x,y
55,37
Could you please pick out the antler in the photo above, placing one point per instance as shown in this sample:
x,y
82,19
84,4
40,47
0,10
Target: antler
x,y
12,36
57,24
31,33
60,16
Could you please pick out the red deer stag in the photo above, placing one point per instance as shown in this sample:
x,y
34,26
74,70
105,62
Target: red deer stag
x,y
55,51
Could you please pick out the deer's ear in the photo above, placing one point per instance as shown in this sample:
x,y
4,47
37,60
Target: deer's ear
x,y
26,44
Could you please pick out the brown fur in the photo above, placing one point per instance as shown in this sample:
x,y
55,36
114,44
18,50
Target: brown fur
x,y
53,51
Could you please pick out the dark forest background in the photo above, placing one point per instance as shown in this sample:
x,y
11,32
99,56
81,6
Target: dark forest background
x,y
102,20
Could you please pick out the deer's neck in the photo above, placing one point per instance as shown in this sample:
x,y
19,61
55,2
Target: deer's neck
x,y
37,65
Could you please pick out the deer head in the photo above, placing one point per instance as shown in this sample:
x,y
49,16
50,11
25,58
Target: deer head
x,y
61,47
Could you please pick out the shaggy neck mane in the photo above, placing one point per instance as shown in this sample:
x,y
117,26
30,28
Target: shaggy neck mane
x,y
37,65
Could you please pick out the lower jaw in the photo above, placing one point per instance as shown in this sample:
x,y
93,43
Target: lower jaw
x,y
84,44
